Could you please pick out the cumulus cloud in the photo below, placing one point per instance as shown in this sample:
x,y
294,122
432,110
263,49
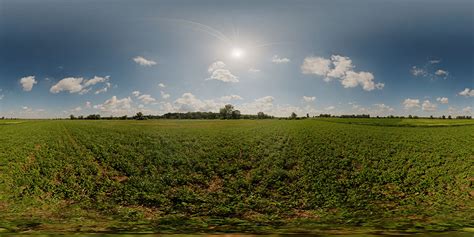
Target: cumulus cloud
x,y
189,102
415,71
428,106
442,100
88,104
441,73
216,65
161,85
383,108
317,66
78,84
230,97
341,68
143,61
146,99
278,60
28,82
115,105
1,96
218,72
429,70
329,108
107,86
71,84
467,110
136,93
77,109
411,103
254,70
467,92
95,80
164,95
309,98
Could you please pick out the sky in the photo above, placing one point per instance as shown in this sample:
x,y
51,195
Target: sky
x,y
339,57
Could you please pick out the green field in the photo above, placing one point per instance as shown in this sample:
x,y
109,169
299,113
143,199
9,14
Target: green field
x,y
236,176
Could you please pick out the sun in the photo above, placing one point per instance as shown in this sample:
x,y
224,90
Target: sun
x,y
237,53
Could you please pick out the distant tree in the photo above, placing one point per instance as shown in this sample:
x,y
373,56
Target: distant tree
x,y
431,116
293,115
409,116
235,114
72,117
93,116
226,111
443,117
260,115
124,117
449,117
139,116
307,115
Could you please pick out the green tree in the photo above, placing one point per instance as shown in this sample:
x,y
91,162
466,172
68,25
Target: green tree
x,y
226,112
293,115
139,116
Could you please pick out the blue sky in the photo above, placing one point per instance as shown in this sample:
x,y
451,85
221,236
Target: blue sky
x,y
340,57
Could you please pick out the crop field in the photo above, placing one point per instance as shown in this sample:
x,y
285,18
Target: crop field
x,y
236,176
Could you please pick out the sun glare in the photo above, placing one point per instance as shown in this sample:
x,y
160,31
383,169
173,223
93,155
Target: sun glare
x,y
237,53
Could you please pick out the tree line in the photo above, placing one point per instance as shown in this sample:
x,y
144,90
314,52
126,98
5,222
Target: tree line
x,y
229,112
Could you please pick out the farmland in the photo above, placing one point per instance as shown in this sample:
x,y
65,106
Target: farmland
x,y
236,175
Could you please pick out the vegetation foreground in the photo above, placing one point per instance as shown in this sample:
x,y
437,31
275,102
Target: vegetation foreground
x,y
236,176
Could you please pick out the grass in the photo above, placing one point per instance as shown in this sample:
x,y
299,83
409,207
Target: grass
x,y
236,176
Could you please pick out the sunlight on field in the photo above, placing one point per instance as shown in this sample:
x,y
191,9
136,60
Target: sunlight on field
x,y
238,176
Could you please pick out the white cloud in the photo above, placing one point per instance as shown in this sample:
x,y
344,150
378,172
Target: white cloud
x,y
467,110
71,84
77,109
216,65
329,108
309,98
107,86
164,95
136,93
411,103
188,102
230,97
428,70
28,82
88,104
143,61
339,67
115,106
278,60
380,108
2,96
442,100
316,65
364,79
467,92
95,80
428,106
441,73
146,99
220,73
79,85
161,85
254,70
418,71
